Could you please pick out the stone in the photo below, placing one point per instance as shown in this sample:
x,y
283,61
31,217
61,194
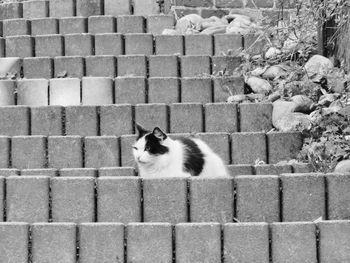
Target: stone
x,y
258,85
318,67
293,122
282,108
343,167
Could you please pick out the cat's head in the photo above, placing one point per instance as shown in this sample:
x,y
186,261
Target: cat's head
x,y
150,146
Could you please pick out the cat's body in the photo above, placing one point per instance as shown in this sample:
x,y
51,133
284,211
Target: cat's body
x,y
157,155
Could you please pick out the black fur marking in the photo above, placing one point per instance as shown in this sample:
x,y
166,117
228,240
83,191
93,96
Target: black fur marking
x,y
194,161
141,131
153,145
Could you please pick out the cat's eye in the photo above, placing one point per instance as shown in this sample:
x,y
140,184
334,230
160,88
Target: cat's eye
x,y
135,148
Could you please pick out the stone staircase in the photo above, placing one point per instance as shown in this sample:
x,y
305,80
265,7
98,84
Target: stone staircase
x,y
76,76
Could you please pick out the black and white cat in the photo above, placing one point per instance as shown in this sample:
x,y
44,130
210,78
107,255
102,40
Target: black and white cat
x,y
157,155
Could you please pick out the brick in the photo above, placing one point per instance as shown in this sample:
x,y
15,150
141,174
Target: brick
x,y
127,158
138,44
119,199
163,90
44,26
110,240
247,148
116,119
246,242
255,117
221,117
133,65
334,240
62,8
97,91
146,7
283,145
5,173
109,44
7,91
58,155
195,66
101,24
33,92
302,168
260,3
195,3
47,120
157,23
19,46
78,44
101,66
254,44
78,172
196,90
11,10
38,67
294,242
64,92
163,66
169,45
10,67
219,142
226,43
28,152
117,7
72,25
27,199
225,65
272,169
2,46
199,45
338,196
130,24
14,242
39,172
198,242
81,120
20,126
149,242
257,198
186,117
165,199
131,90
152,115
35,9
69,66
209,12
116,171
89,8
48,238
227,86
15,27
303,197
49,46
4,153
240,169
101,151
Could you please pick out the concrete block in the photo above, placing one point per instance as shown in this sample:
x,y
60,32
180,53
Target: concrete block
x,y
19,127
119,199
35,9
27,199
72,25
81,120
5,173
78,44
303,197
73,199
221,117
33,92
225,65
102,241
152,115
89,8
109,44
11,10
134,65
334,241
69,66
2,46
195,66
101,24
163,90
2,193
254,44
149,242
169,45
62,8
257,198
97,91
101,66
219,142
48,238
64,92
131,90
338,196
116,119
157,23
28,152
15,27
138,44
240,169
227,44
294,242
39,67
78,172
186,117
246,242
19,46
247,148
4,152
10,67
200,45
283,145
46,120
49,46
126,142
7,89
227,86
146,7
14,242
198,242
102,151
211,199
39,172
117,7
163,66
116,171
302,168
255,117
272,169
165,199
58,155
44,26
130,24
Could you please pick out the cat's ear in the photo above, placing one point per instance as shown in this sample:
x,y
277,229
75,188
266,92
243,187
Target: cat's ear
x,y
159,134
140,131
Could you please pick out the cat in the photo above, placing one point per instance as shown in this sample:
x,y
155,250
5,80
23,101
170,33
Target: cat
x,y
157,155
